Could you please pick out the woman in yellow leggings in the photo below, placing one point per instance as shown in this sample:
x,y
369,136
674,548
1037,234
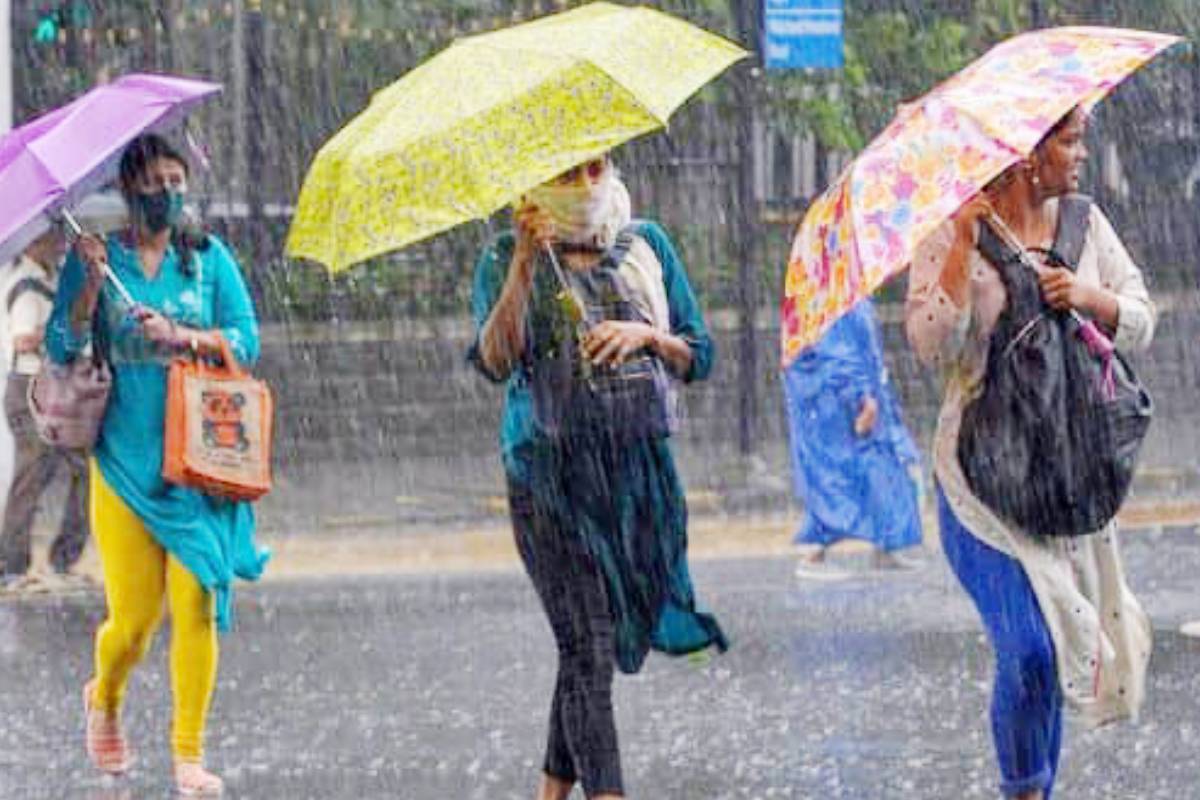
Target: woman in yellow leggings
x,y
157,540
137,573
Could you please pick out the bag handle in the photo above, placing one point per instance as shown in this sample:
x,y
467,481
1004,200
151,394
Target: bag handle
x,y
229,366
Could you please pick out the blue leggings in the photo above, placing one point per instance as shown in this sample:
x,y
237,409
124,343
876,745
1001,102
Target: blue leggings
x,y
1026,699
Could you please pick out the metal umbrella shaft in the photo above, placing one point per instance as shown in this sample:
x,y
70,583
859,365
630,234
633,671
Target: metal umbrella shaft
x,y
1000,227
77,231
577,311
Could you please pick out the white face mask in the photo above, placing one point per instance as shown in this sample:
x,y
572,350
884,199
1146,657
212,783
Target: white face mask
x,y
585,213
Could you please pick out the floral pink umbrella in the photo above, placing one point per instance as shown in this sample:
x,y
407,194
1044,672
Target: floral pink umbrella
x,y
937,154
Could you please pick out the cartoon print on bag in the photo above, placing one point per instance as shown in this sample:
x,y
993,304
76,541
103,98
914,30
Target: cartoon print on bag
x,y
223,424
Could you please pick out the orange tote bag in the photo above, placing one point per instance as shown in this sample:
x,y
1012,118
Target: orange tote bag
x,y
218,428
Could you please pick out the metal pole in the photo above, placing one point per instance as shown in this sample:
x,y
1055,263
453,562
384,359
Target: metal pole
x,y
256,129
76,231
6,66
745,233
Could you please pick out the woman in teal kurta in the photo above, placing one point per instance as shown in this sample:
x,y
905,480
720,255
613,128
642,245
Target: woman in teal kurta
x,y
156,538
600,521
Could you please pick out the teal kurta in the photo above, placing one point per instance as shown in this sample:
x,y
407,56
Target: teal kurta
x,y
212,537
625,500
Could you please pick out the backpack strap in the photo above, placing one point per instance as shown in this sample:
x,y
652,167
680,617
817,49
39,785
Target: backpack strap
x,y
27,285
995,249
1074,221
620,248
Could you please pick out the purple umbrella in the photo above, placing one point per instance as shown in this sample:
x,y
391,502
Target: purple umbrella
x,y
51,163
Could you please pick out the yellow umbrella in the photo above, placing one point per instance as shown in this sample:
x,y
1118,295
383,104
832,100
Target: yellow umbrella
x,y
492,116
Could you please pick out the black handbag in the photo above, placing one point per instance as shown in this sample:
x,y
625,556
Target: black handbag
x,y
573,398
1052,442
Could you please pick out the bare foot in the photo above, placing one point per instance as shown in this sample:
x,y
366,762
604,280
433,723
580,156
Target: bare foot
x,y
814,556
557,789
812,565
884,560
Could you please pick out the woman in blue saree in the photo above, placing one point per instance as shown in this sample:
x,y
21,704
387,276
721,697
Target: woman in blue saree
x,y
851,454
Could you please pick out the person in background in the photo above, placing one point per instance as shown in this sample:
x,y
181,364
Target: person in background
x,y
28,297
853,461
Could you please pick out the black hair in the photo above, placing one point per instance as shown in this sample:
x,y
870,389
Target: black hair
x,y
141,153
190,236
1057,127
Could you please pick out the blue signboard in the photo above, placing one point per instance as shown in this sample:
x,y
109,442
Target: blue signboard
x,y
802,34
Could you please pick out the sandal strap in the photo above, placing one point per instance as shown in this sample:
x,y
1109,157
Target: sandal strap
x,y
192,779
104,739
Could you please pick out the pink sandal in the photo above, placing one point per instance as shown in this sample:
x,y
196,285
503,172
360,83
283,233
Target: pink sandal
x,y
193,780
103,738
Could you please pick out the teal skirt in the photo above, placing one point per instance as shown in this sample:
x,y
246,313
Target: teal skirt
x,y
625,501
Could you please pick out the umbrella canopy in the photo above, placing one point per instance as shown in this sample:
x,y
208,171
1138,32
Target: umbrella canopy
x,y
938,153
58,158
492,116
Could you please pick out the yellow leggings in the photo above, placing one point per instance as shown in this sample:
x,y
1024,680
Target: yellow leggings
x,y
137,573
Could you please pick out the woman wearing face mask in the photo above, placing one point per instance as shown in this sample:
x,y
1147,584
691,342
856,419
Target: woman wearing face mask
x,y
1065,627
598,514
156,540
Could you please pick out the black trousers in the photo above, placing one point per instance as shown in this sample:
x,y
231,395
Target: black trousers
x,y
582,742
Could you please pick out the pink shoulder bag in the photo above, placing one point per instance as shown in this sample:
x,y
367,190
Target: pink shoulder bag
x,y
68,401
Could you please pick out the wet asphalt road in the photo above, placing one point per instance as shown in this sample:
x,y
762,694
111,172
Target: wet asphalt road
x,y
424,687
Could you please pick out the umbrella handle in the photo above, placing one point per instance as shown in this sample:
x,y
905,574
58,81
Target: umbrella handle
x,y
579,311
77,231
579,308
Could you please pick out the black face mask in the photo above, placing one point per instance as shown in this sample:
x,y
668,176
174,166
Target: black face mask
x,y
159,210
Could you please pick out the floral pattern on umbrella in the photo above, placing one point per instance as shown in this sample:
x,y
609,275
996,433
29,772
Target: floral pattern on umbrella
x,y
936,154
492,116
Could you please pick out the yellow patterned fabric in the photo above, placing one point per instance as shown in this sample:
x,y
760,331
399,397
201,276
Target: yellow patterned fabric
x,y
937,154
492,116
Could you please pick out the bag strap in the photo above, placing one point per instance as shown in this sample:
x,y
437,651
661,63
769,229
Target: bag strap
x,y
612,257
99,335
27,285
1074,221
622,245
995,249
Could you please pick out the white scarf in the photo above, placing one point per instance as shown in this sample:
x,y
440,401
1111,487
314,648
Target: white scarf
x,y
590,214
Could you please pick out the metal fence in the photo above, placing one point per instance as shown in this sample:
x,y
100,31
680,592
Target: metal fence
x,y
729,178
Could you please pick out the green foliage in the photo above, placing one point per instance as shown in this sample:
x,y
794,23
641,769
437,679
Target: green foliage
x,y
325,59
890,58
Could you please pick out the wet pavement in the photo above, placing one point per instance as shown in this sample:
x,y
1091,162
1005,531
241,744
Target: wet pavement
x,y
426,687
